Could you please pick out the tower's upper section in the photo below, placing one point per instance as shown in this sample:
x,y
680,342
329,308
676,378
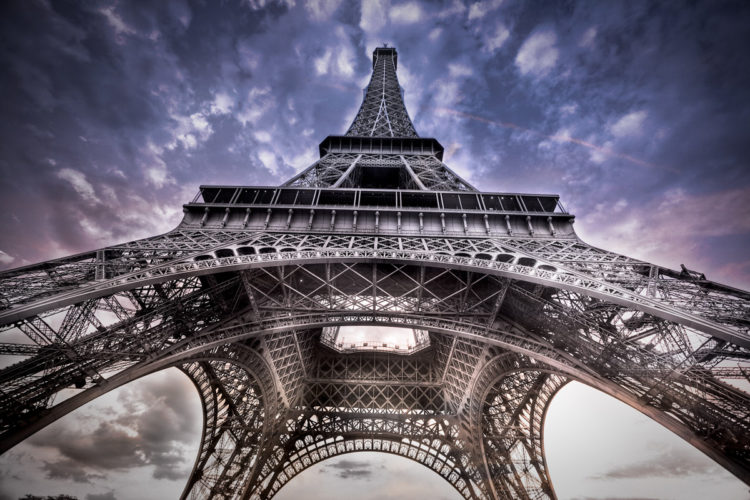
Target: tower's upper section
x,y
380,178
383,113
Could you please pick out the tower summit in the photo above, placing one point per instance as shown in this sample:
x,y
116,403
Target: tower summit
x,y
383,113
487,304
381,128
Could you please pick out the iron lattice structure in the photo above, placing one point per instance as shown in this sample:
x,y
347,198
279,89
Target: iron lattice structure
x,y
247,294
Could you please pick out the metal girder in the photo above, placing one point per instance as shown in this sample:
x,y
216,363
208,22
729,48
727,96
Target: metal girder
x,y
450,294
360,249
236,392
312,437
351,288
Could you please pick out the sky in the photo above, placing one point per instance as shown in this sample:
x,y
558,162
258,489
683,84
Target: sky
x,y
635,113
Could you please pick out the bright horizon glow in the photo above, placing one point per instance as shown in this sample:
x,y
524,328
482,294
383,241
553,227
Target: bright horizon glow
x,y
597,446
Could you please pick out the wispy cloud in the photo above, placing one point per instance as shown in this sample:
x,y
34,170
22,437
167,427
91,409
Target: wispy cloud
x,y
563,137
669,464
79,183
480,9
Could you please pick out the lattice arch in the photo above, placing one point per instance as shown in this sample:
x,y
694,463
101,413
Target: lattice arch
x,y
511,418
436,454
585,349
238,399
351,250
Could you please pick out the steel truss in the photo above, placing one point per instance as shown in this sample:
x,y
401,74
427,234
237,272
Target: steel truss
x,y
240,307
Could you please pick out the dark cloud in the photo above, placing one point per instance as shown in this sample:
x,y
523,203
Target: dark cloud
x,y
68,469
672,463
156,419
350,469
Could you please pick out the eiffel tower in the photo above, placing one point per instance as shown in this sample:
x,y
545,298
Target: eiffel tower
x,y
497,302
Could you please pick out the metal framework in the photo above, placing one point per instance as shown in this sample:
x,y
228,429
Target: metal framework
x,y
506,303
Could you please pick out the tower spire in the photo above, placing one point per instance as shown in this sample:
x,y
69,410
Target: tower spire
x,y
383,113
381,149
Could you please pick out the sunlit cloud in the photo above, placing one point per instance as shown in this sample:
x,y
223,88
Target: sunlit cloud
x,y
630,124
321,9
538,54
80,184
496,40
480,9
406,13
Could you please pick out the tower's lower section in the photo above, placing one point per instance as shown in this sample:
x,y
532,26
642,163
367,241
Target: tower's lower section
x,y
488,445
498,326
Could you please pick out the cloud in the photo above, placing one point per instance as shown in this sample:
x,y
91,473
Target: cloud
x,y
149,428
630,124
67,469
5,258
268,160
495,41
262,4
671,463
321,10
351,469
154,168
344,61
190,130
405,13
79,182
258,102
262,136
372,18
106,447
588,37
538,54
321,63
480,9
459,70
248,58
116,22
337,61
568,109
222,104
